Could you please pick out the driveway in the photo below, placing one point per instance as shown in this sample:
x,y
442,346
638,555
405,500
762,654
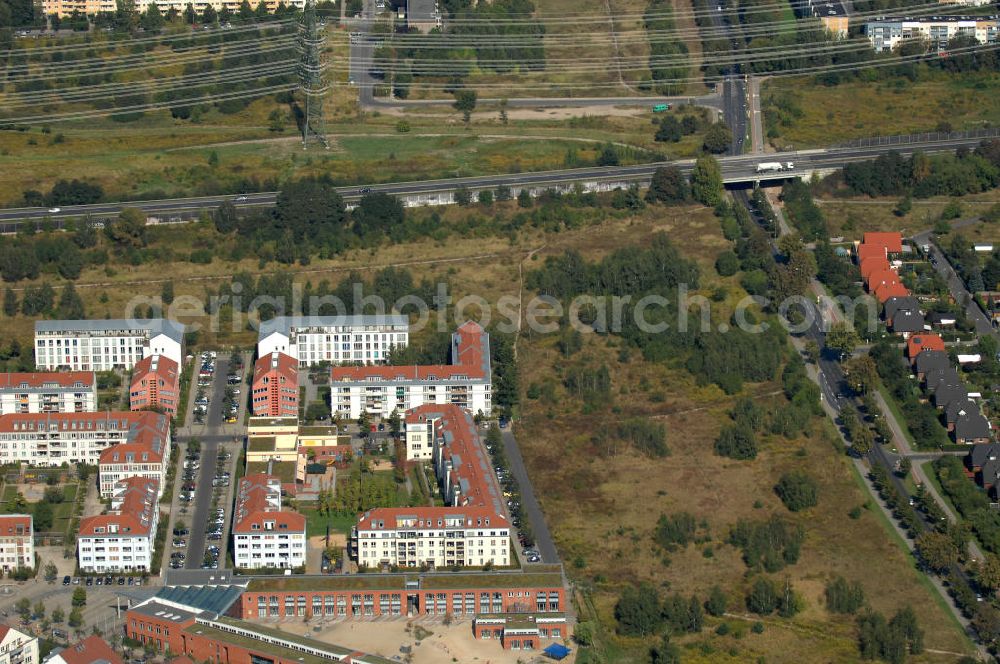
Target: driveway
x,y
543,538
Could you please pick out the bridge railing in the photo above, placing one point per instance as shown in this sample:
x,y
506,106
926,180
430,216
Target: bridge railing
x,y
906,139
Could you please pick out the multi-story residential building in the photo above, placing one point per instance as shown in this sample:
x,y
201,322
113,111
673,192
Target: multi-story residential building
x,y
90,7
123,539
146,453
102,345
17,542
380,390
434,536
886,34
334,339
17,647
275,388
472,530
156,383
92,650
52,439
69,392
263,534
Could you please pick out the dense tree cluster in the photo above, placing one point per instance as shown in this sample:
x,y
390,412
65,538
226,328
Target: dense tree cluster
x,y
645,436
765,597
659,21
729,359
843,596
921,417
797,490
641,612
921,175
803,211
675,530
890,641
970,501
769,545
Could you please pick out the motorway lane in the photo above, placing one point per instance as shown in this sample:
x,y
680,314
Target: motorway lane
x,y
735,169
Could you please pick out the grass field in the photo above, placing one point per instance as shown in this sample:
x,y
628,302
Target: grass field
x,y
840,113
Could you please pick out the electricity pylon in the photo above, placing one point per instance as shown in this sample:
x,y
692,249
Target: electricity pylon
x,y
311,78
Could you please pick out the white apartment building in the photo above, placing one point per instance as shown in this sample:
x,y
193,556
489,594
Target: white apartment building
x,y
886,34
146,454
51,439
123,539
66,7
17,647
17,542
102,345
467,382
437,536
69,392
335,339
263,534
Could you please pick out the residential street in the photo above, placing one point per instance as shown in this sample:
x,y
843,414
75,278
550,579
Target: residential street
x,y
543,538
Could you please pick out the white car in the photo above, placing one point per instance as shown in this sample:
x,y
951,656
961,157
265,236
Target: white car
x,y
55,209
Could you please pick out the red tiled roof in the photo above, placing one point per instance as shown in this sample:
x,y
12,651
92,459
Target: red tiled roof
x,y
893,289
253,507
893,242
467,361
873,265
866,251
880,278
121,420
148,436
9,524
134,516
281,364
10,381
918,343
91,649
166,369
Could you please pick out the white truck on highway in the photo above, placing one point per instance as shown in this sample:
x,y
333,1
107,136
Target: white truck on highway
x,y
774,166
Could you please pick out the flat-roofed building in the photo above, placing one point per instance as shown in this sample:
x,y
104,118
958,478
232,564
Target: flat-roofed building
x,y
48,392
886,34
334,339
103,345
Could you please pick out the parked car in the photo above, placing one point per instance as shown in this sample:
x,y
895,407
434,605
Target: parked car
x,y
67,580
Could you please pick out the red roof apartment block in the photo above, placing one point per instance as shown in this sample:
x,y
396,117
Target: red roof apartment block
x,y
918,343
893,242
91,650
155,383
133,510
258,500
275,390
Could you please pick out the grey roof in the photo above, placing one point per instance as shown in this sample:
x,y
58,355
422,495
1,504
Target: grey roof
x,y
990,472
972,426
938,377
946,394
284,324
170,328
895,304
938,318
166,611
981,453
823,8
932,360
907,320
421,10
960,407
214,599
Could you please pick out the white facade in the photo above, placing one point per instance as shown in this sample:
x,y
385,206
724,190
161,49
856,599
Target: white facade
x,y
17,542
123,539
48,393
58,438
103,345
437,536
130,460
264,535
66,7
381,397
334,339
419,440
888,33
17,647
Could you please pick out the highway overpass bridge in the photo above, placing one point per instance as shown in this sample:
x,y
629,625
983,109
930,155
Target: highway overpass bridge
x,y
740,170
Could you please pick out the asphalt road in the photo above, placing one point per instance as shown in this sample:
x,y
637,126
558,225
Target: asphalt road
x,y
711,101
955,285
209,453
735,169
543,538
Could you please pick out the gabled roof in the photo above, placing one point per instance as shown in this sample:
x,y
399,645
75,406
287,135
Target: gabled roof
x,y
921,343
258,499
866,251
907,320
872,265
959,408
946,394
279,364
941,318
59,380
15,525
146,441
990,472
940,377
972,426
895,304
981,453
893,242
155,367
92,650
932,360
894,289
134,507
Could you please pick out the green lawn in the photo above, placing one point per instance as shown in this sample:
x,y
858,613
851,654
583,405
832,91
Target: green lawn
x,y
317,523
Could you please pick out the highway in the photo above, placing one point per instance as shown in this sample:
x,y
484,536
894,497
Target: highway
x,y
736,169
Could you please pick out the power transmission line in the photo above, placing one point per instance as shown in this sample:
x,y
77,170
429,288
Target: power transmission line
x,y
311,78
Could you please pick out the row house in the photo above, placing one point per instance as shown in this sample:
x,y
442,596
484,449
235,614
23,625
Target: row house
x,y
17,542
156,383
311,340
945,388
52,439
48,392
122,540
104,345
274,391
263,534
380,390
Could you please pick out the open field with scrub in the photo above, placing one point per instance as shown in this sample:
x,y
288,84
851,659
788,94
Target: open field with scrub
x,y
801,113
